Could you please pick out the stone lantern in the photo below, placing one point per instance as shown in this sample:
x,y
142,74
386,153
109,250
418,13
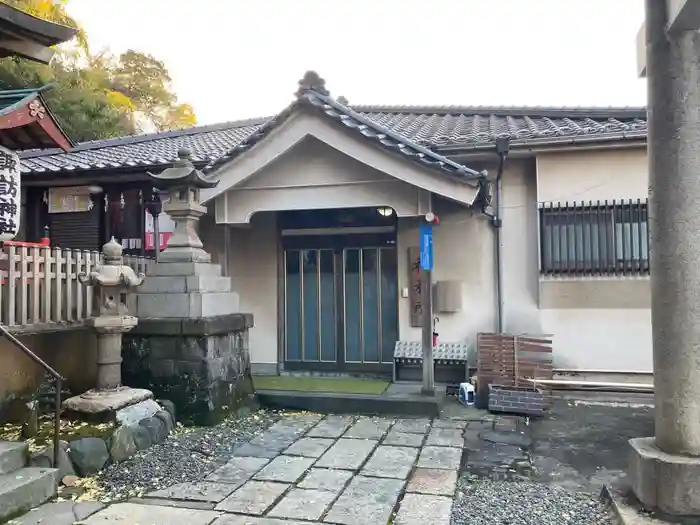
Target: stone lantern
x,y
112,281
183,182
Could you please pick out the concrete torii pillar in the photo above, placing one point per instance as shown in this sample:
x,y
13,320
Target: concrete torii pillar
x,y
665,469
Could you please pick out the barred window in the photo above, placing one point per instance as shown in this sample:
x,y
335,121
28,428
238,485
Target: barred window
x,y
594,238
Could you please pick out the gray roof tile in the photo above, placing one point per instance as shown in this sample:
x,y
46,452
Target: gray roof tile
x,y
421,132
312,92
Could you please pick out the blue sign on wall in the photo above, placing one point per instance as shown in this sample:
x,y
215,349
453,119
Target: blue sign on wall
x,y
426,247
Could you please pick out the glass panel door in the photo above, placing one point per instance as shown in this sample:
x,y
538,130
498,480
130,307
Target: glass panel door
x,y
309,305
370,304
340,306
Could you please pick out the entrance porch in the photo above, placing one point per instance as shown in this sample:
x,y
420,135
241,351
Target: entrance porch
x,y
333,289
316,219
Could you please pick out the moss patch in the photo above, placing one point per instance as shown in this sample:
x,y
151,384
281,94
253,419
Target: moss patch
x,y
343,385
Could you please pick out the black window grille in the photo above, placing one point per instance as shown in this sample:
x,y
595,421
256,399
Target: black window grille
x,y
594,238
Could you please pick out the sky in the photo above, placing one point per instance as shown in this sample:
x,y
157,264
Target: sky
x,y
237,59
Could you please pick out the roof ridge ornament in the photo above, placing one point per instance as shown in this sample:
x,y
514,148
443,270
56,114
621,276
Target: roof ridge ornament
x,y
312,81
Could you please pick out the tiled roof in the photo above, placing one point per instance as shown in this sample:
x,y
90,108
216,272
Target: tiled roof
x,y
207,143
479,126
312,91
422,132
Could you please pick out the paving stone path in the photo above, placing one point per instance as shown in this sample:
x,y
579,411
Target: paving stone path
x,y
310,469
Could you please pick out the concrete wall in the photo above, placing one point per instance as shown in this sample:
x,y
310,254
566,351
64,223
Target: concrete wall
x,y
72,353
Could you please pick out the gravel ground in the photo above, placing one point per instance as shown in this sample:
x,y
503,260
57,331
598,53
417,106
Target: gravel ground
x,y
189,454
485,502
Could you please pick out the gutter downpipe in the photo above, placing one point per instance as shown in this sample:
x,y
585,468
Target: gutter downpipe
x,y
502,148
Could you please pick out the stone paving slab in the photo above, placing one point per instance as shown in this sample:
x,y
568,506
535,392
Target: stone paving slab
x,y
450,423
447,458
303,504
347,454
255,451
237,470
182,504
325,479
255,497
366,501
285,469
131,513
368,428
230,519
445,437
297,423
421,509
403,439
309,447
416,426
274,440
198,491
437,482
331,427
390,462
59,513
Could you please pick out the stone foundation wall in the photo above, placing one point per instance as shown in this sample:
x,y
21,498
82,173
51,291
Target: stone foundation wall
x,y
203,367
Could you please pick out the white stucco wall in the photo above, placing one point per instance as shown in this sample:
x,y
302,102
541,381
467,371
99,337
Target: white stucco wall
x,y
595,327
463,251
315,176
592,175
591,331
252,265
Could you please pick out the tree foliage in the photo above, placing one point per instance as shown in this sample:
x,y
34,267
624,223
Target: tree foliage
x,y
98,95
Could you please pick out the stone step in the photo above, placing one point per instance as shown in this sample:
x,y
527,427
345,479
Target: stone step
x,y
25,489
13,456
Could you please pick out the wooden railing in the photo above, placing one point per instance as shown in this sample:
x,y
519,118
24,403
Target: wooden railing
x,y
39,284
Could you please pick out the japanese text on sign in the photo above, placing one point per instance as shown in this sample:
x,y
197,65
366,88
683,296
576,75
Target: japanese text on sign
x,y
414,289
10,203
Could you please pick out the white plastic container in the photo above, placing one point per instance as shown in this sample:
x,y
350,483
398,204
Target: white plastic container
x,y
466,394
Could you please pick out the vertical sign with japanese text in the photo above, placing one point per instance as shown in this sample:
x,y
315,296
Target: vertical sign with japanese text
x,y
414,286
9,194
426,247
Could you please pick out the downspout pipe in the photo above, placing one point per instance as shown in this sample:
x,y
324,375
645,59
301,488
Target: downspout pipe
x,y
502,149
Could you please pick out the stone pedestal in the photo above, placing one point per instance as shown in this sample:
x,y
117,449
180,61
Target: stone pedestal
x,y
665,469
191,344
185,290
103,404
202,365
664,481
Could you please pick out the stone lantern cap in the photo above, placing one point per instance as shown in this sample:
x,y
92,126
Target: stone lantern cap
x,y
113,272
182,173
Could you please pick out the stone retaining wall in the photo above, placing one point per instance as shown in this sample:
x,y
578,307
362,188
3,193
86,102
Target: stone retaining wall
x,y
202,365
138,427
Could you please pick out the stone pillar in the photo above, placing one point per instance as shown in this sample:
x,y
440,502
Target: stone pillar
x,y
673,69
665,470
109,358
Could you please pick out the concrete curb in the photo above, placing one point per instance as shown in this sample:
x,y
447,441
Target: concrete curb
x,y
624,513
